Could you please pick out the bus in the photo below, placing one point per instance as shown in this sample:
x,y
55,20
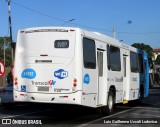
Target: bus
x,y
67,65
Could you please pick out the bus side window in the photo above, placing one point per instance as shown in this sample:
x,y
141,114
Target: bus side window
x,y
115,60
134,62
108,57
89,53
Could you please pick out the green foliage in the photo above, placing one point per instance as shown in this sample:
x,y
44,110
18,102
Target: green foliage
x,y
142,46
7,47
158,59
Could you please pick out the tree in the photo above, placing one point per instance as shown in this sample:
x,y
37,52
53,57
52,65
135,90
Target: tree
x,y
142,46
148,49
7,47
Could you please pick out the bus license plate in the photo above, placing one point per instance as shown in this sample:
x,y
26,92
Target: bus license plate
x,y
43,88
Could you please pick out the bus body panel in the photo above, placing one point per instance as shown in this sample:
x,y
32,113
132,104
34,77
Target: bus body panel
x,y
42,68
55,65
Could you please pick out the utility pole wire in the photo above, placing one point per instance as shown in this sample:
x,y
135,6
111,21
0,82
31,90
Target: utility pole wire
x,y
62,20
39,12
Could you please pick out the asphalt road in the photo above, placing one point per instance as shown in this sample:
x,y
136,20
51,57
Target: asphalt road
x,y
67,115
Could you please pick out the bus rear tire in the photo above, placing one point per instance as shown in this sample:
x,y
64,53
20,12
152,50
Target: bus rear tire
x,y
108,109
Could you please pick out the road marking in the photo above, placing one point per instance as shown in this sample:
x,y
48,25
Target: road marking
x,y
82,125
26,114
148,107
151,110
145,115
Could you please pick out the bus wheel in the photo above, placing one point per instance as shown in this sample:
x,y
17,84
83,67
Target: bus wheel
x,y
108,109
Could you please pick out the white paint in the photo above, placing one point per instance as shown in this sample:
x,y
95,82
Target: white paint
x,y
37,44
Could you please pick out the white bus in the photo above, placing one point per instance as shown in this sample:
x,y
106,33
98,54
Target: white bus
x,y
73,66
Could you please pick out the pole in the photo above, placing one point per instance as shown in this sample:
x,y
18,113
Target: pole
x,y
4,57
10,29
114,33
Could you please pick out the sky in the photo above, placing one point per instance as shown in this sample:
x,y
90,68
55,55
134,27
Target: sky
x,y
134,21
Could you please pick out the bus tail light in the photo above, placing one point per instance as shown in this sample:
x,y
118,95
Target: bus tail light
x,y
75,82
63,96
72,30
21,94
15,81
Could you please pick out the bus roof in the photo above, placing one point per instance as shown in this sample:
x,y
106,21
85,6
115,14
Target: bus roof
x,y
90,34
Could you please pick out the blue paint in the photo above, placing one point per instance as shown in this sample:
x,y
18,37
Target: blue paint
x,y
61,74
28,73
86,79
144,78
23,88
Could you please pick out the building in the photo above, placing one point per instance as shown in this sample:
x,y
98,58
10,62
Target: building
x,y
156,52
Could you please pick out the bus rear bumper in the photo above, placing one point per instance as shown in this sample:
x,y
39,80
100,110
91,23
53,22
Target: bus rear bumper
x,y
71,98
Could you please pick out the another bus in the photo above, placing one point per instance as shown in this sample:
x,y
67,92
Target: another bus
x,y
65,65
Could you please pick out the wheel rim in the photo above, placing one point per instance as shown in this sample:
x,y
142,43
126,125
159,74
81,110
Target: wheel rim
x,y
110,102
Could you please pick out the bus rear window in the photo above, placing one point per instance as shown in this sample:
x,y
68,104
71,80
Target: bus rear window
x,y
61,44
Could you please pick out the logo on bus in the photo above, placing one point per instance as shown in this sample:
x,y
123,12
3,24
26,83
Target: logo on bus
x,y
23,88
86,79
61,74
28,73
52,82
